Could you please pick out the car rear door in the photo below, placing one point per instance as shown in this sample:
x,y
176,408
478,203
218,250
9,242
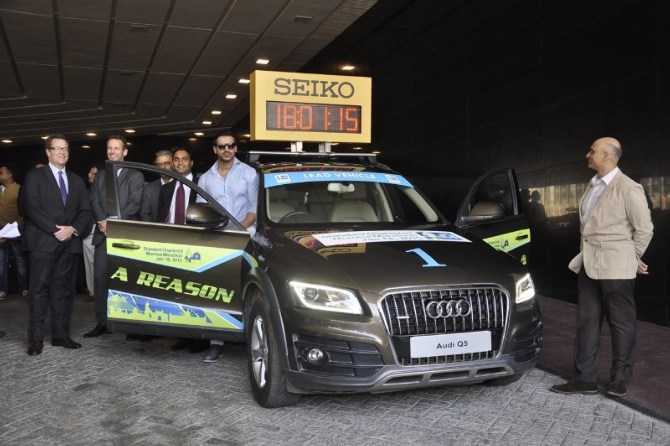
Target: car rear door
x,y
175,280
493,212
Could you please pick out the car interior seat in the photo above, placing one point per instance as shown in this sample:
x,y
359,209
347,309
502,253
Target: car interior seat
x,y
487,208
277,204
351,205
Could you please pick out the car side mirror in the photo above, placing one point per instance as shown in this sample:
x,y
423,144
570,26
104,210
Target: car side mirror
x,y
202,214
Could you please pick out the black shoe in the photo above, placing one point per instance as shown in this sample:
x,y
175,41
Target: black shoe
x,y
35,348
65,342
181,344
99,330
576,386
213,353
617,388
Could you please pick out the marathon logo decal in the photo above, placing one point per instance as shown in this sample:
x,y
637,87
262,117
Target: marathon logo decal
x,y
509,241
185,257
280,179
133,307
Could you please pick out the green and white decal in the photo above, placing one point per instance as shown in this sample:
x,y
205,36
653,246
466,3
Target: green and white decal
x,y
509,241
185,257
137,308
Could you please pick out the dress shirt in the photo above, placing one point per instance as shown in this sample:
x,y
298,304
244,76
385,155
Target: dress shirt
x,y
237,193
187,193
598,186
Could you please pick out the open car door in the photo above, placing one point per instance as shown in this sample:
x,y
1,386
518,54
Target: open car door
x,y
492,211
175,280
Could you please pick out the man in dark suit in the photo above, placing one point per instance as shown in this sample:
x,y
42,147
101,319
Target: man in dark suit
x,y
169,208
130,190
57,214
149,212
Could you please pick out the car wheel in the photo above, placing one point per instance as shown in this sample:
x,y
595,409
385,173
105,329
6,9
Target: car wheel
x,y
265,374
504,381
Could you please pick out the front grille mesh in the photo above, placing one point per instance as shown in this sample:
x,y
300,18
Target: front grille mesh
x,y
405,316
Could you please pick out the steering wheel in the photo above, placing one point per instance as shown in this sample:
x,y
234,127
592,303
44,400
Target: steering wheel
x,y
291,214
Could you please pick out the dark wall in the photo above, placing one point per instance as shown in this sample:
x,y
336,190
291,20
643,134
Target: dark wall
x,y
461,87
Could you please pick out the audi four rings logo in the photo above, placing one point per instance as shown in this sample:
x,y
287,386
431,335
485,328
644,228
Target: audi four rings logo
x,y
448,308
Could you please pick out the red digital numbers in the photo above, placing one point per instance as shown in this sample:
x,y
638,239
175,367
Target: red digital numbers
x,y
298,117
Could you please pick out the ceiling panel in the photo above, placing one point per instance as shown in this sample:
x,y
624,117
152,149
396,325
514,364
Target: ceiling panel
x,y
85,9
293,19
9,85
223,53
198,90
161,88
203,14
82,83
121,87
247,17
83,42
133,46
31,37
32,6
38,80
179,49
151,12
275,48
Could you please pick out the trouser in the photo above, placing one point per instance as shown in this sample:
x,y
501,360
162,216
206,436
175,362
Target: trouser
x,y
101,282
89,253
13,245
614,300
51,284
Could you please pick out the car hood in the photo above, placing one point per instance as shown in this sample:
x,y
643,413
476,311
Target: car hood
x,y
379,260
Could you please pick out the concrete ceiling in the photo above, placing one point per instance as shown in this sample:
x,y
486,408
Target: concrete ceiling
x,y
155,66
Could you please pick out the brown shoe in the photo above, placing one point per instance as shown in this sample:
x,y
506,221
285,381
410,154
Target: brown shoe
x,y
617,388
576,386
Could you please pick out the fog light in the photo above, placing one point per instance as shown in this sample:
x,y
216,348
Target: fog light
x,y
315,356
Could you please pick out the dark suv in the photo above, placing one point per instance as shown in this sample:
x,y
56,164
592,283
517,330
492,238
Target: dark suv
x,y
353,281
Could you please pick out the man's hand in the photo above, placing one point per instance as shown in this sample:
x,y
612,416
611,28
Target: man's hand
x,y
642,267
102,226
64,233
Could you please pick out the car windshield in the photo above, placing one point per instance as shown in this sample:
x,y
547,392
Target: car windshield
x,y
336,197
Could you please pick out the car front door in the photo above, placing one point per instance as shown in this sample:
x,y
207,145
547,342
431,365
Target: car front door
x,y
175,280
493,212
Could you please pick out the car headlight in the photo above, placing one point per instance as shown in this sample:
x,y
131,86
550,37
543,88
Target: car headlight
x,y
320,297
525,289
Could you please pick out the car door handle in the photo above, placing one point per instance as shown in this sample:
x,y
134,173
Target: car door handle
x,y
521,237
125,245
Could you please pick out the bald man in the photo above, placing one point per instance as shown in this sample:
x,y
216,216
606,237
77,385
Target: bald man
x,y
615,230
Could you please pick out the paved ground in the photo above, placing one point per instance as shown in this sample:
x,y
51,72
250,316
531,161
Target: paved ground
x,y
114,392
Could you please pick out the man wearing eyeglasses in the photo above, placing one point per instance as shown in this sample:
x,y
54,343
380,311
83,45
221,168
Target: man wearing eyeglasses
x,y
150,201
57,213
129,195
235,186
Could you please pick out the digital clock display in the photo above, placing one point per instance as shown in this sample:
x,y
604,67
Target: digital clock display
x,y
302,117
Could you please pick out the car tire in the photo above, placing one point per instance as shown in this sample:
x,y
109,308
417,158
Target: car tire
x,y
504,381
268,383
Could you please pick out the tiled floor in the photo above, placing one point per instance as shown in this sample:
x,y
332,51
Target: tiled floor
x,y
649,390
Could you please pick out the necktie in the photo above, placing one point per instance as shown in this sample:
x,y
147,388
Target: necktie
x,y
179,206
61,184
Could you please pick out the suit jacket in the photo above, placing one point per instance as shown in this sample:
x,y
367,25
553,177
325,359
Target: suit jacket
x,y
616,233
130,192
44,209
165,200
152,190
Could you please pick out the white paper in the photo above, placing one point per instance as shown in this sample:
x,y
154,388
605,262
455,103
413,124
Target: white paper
x,y
11,230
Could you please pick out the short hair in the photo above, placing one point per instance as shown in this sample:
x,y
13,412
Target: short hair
x,y
121,138
10,168
225,133
615,150
176,149
47,142
162,152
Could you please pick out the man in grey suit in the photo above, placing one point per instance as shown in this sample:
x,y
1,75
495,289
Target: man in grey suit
x,y
150,201
616,229
130,191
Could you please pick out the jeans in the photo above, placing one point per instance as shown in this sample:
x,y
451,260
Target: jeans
x,y
13,244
